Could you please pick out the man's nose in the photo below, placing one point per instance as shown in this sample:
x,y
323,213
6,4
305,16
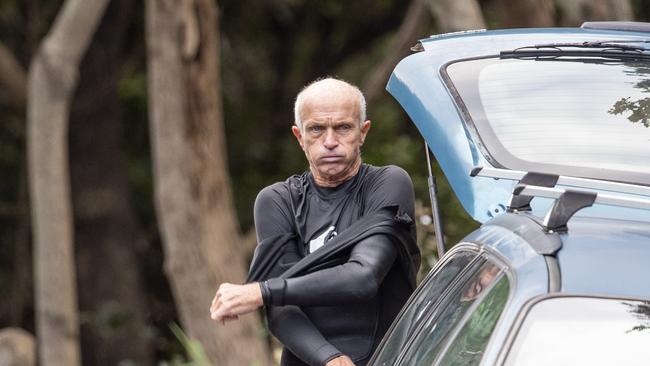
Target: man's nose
x,y
330,139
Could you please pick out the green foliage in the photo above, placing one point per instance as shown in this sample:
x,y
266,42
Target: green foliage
x,y
192,348
110,317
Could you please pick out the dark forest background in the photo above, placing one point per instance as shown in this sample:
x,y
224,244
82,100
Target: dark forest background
x,y
263,52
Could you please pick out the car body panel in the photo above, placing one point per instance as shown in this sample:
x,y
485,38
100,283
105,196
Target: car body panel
x,y
417,83
615,252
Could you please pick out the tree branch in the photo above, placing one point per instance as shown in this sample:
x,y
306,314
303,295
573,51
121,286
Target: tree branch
x,y
374,85
13,81
456,15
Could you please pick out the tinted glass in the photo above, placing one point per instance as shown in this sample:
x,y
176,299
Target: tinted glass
x,y
438,327
561,114
426,296
584,331
468,346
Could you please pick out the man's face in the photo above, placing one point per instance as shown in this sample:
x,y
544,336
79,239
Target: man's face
x,y
331,137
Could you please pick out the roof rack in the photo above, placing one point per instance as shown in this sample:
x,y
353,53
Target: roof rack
x,y
569,201
601,185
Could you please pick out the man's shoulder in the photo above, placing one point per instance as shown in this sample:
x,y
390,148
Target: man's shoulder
x,y
282,189
388,174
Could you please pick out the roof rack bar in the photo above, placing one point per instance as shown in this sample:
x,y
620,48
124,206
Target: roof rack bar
x,y
521,202
601,198
565,181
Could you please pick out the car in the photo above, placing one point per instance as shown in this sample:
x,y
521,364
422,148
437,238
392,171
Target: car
x,y
544,137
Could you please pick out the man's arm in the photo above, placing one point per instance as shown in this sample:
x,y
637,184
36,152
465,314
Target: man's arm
x,y
359,278
289,324
354,281
299,335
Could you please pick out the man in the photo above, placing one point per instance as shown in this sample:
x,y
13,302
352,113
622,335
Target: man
x,y
355,266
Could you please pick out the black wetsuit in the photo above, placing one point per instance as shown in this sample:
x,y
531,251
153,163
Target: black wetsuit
x,y
347,307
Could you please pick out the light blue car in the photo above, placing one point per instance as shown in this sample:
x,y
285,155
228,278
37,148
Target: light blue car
x,y
544,136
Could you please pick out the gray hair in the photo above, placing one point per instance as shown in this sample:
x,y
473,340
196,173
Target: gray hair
x,y
297,107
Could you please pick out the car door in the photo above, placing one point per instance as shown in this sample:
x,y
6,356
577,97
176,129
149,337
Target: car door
x,y
452,313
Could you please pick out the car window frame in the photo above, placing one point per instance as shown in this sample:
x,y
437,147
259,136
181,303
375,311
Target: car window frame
x,y
517,325
491,255
460,247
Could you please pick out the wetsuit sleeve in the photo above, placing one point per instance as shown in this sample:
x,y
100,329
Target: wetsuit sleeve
x,y
271,214
289,324
392,187
299,335
354,281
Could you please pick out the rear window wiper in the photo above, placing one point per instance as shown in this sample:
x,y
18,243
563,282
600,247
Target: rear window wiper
x,y
603,47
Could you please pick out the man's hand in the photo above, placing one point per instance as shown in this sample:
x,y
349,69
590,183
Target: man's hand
x,y
340,361
231,301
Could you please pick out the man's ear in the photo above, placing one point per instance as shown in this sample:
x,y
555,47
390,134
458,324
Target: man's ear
x,y
365,127
298,134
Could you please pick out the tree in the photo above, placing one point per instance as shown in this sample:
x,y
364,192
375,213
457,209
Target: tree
x,y
456,15
521,13
51,82
572,13
192,189
107,234
405,38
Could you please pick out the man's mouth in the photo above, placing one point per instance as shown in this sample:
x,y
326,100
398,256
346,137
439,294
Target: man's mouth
x,y
331,158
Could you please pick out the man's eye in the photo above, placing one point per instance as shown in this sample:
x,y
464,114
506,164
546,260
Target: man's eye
x,y
344,128
315,129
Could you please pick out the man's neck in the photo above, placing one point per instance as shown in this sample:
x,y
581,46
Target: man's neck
x,y
332,182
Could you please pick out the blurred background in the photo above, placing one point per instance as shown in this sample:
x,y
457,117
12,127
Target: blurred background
x,y
135,135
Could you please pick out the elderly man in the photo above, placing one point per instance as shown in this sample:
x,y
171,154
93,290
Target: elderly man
x,y
336,258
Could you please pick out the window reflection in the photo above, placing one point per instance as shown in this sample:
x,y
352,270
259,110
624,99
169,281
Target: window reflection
x,y
438,329
583,331
427,295
637,111
641,310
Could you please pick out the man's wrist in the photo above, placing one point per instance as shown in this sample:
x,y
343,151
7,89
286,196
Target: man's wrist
x,y
325,354
276,289
266,293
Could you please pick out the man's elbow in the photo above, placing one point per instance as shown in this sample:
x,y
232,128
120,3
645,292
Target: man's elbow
x,y
366,287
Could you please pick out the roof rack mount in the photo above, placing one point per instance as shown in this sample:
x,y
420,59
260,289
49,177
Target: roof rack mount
x,y
569,201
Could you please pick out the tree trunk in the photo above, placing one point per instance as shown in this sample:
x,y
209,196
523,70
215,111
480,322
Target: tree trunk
x,y
572,13
522,13
456,15
111,297
51,82
17,348
193,198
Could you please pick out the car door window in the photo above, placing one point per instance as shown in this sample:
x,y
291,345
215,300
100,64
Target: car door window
x,y
467,348
428,293
450,312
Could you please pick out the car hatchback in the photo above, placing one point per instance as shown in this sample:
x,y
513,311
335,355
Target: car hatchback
x,y
544,136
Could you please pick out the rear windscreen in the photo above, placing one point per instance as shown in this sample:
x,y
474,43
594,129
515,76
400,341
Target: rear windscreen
x,y
574,116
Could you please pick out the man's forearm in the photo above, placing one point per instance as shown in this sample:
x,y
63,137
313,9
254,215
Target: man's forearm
x,y
299,335
354,281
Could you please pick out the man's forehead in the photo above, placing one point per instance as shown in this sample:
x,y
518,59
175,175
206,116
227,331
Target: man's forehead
x,y
335,109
